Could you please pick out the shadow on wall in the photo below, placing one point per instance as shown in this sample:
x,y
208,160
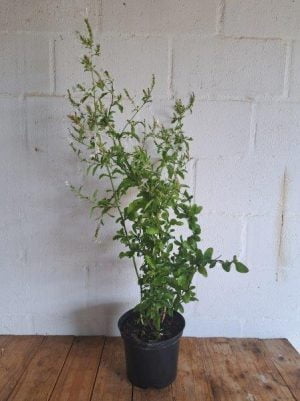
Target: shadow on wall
x,y
98,319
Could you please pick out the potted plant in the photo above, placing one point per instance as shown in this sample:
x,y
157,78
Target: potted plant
x,y
150,159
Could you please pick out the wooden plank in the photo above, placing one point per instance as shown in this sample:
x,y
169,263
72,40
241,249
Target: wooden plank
x,y
264,380
192,383
238,371
4,339
220,366
164,394
287,361
111,382
38,380
15,355
77,378
34,368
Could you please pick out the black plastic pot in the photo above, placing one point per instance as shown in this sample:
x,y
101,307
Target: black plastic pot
x,y
151,364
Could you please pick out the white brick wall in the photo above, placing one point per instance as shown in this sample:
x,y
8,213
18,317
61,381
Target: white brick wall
x,y
158,16
139,57
217,131
242,59
25,63
262,18
295,71
47,16
227,66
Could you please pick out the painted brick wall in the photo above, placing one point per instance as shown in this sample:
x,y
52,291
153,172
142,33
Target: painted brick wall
x,y
242,60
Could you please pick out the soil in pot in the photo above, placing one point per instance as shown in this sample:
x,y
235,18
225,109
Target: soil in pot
x,y
132,328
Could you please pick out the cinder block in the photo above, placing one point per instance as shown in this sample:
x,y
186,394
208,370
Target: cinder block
x,y
239,186
223,233
222,294
275,293
11,64
52,16
13,144
24,63
14,283
268,18
262,241
278,130
131,61
219,128
235,67
158,16
255,295
295,71
47,130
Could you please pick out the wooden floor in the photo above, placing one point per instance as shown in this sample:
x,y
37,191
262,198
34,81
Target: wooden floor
x,y
65,368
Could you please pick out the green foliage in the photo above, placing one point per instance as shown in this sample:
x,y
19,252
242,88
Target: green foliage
x,y
148,225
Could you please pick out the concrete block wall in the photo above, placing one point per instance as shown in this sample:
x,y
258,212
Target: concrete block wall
x,y
242,60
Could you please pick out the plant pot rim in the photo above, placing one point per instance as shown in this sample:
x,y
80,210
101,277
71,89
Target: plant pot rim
x,y
150,345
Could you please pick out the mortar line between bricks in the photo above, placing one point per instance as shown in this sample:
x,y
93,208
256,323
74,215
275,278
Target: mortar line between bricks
x,y
195,176
243,237
287,69
208,98
45,95
258,38
155,34
52,66
170,68
25,122
253,128
100,21
220,14
22,101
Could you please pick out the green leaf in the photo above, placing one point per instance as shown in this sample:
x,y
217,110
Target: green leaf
x,y
202,270
186,298
180,308
195,209
208,253
226,266
133,207
169,247
182,281
150,261
176,222
240,267
152,230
